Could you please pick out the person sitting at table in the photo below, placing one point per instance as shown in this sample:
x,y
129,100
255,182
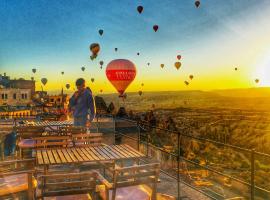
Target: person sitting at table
x,y
82,104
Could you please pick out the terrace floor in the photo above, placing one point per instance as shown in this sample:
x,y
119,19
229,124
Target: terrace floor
x,y
167,185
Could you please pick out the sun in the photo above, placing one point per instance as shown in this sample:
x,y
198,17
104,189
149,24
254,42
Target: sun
x,y
262,71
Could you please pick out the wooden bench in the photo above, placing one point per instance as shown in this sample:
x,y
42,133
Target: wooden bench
x,y
133,183
69,186
87,139
69,130
16,177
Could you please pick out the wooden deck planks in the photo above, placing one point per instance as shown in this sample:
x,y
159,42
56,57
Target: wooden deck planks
x,y
86,154
40,158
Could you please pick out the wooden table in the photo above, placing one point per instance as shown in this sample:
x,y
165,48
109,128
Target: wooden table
x,y
86,154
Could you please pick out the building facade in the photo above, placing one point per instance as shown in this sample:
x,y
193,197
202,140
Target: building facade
x,y
21,83
15,97
58,100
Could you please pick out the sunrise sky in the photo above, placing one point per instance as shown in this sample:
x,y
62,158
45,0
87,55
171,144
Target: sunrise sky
x,y
54,36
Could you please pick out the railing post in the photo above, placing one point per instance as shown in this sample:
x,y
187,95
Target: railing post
x,y
252,171
147,143
178,166
114,129
139,136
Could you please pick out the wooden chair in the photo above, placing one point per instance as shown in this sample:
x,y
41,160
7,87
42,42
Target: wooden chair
x,y
69,186
132,183
87,139
27,132
16,178
51,142
25,135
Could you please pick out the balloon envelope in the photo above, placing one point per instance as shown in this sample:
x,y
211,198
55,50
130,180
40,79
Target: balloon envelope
x,y
178,57
140,93
191,77
140,9
44,81
186,82
100,32
94,48
83,68
101,63
121,73
177,65
92,80
115,49
155,27
62,73
257,80
197,4
67,86
34,70
161,65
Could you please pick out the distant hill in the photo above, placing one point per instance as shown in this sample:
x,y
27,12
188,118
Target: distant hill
x,y
246,92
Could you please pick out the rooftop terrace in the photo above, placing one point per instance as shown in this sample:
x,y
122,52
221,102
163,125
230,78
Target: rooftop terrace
x,y
187,169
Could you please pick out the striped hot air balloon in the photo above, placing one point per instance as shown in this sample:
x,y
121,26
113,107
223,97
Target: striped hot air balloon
x,y
121,73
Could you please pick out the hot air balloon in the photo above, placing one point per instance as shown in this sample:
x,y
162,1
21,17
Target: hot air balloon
x,y
178,57
67,86
142,84
100,90
115,49
62,73
140,9
257,80
197,4
191,77
94,48
100,32
155,27
161,65
44,81
92,80
186,82
121,73
140,93
83,68
148,64
34,70
101,63
235,69
138,54
177,65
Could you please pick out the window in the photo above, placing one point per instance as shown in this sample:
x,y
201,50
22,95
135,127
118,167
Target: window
x,y
58,99
25,96
6,96
22,96
51,100
3,96
14,96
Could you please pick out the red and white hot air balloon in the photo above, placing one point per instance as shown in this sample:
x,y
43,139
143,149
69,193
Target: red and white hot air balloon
x,y
121,73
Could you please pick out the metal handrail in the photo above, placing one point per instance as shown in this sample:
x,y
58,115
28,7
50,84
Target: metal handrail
x,y
252,153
